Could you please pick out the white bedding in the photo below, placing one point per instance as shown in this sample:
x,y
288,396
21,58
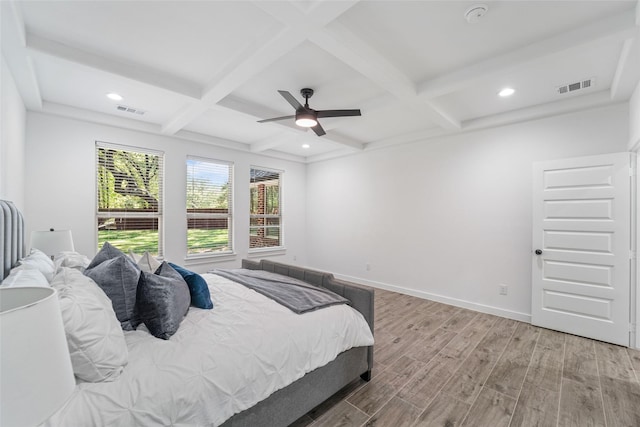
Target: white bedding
x,y
220,362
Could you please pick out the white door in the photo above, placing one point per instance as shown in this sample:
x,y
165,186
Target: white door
x,y
581,246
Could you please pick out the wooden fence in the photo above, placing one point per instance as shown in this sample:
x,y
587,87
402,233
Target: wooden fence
x,y
118,222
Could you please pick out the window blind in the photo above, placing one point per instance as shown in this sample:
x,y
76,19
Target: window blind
x,y
265,226
129,200
209,206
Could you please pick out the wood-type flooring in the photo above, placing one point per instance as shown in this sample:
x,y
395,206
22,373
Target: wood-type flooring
x,y
437,365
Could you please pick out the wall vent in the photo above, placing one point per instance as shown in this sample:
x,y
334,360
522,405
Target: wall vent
x,y
126,109
572,87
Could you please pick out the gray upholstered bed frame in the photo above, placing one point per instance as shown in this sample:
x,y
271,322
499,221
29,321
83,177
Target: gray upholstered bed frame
x,y
290,403
12,246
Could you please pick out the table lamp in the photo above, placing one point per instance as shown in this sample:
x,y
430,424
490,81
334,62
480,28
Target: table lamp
x,y
52,242
36,377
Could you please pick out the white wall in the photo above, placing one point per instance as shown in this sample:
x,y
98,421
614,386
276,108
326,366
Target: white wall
x,y
12,139
60,185
448,218
634,119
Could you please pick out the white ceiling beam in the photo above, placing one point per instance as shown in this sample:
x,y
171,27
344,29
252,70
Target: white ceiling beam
x,y
342,43
11,10
63,110
254,61
300,135
341,139
625,78
212,140
555,108
137,72
353,51
570,105
273,142
251,65
136,125
408,138
15,58
252,110
236,74
329,155
323,13
616,28
186,114
628,69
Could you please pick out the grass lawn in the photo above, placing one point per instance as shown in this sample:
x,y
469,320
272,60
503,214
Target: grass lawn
x,y
140,241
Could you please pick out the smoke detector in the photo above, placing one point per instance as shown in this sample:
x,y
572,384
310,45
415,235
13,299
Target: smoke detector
x,y
475,13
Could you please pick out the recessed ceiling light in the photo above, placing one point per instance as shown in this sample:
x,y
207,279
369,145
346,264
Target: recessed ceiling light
x,y
306,146
114,96
507,91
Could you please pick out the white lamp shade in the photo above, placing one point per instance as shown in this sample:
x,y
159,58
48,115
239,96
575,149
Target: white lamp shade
x,y
36,376
52,242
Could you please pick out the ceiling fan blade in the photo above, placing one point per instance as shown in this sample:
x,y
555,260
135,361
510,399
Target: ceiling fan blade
x,y
276,119
318,129
338,113
290,99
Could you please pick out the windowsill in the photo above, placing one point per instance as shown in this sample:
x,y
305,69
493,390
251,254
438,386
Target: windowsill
x,y
266,252
209,258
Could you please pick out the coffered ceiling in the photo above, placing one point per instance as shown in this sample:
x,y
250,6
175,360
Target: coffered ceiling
x,y
209,70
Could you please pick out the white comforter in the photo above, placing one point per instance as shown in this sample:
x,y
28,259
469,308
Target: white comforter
x,y
220,362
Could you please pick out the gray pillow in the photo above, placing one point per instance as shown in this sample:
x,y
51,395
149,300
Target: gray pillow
x,y
162,301
106,252
118,278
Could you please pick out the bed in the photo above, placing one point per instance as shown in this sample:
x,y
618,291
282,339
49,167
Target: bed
x,y
251,389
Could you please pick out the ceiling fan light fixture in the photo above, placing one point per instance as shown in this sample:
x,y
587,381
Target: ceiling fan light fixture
x,y
306,119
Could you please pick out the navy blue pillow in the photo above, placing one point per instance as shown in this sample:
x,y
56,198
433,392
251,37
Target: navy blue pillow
x,y
198,288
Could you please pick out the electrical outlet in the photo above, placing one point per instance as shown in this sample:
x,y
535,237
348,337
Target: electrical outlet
x,y
295,258
503,289
367,267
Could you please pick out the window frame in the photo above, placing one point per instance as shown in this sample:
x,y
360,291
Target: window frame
x,y
228,216
159,215
280,216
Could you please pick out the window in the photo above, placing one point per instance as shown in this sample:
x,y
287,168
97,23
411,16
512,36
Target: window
x,y
265,228
129,198
209,207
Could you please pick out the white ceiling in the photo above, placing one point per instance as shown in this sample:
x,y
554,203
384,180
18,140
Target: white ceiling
x,y
208,70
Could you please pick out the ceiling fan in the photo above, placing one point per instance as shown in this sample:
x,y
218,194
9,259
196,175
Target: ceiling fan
x,y
306,116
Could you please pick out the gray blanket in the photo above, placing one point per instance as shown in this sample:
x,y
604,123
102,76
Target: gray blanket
x,y
298,296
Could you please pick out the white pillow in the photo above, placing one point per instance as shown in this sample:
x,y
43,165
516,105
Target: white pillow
x,y
38,260
94,336
25,276
134,257
148,263
71,259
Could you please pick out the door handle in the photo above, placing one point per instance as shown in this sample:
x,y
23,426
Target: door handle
x,y
538,251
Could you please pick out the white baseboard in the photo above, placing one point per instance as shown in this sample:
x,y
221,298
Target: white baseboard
x,y
509,314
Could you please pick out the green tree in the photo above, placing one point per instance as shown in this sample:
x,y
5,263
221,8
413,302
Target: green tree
x,y
127,180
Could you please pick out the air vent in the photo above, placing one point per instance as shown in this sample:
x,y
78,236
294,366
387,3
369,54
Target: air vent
x,y
126,109
572,87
